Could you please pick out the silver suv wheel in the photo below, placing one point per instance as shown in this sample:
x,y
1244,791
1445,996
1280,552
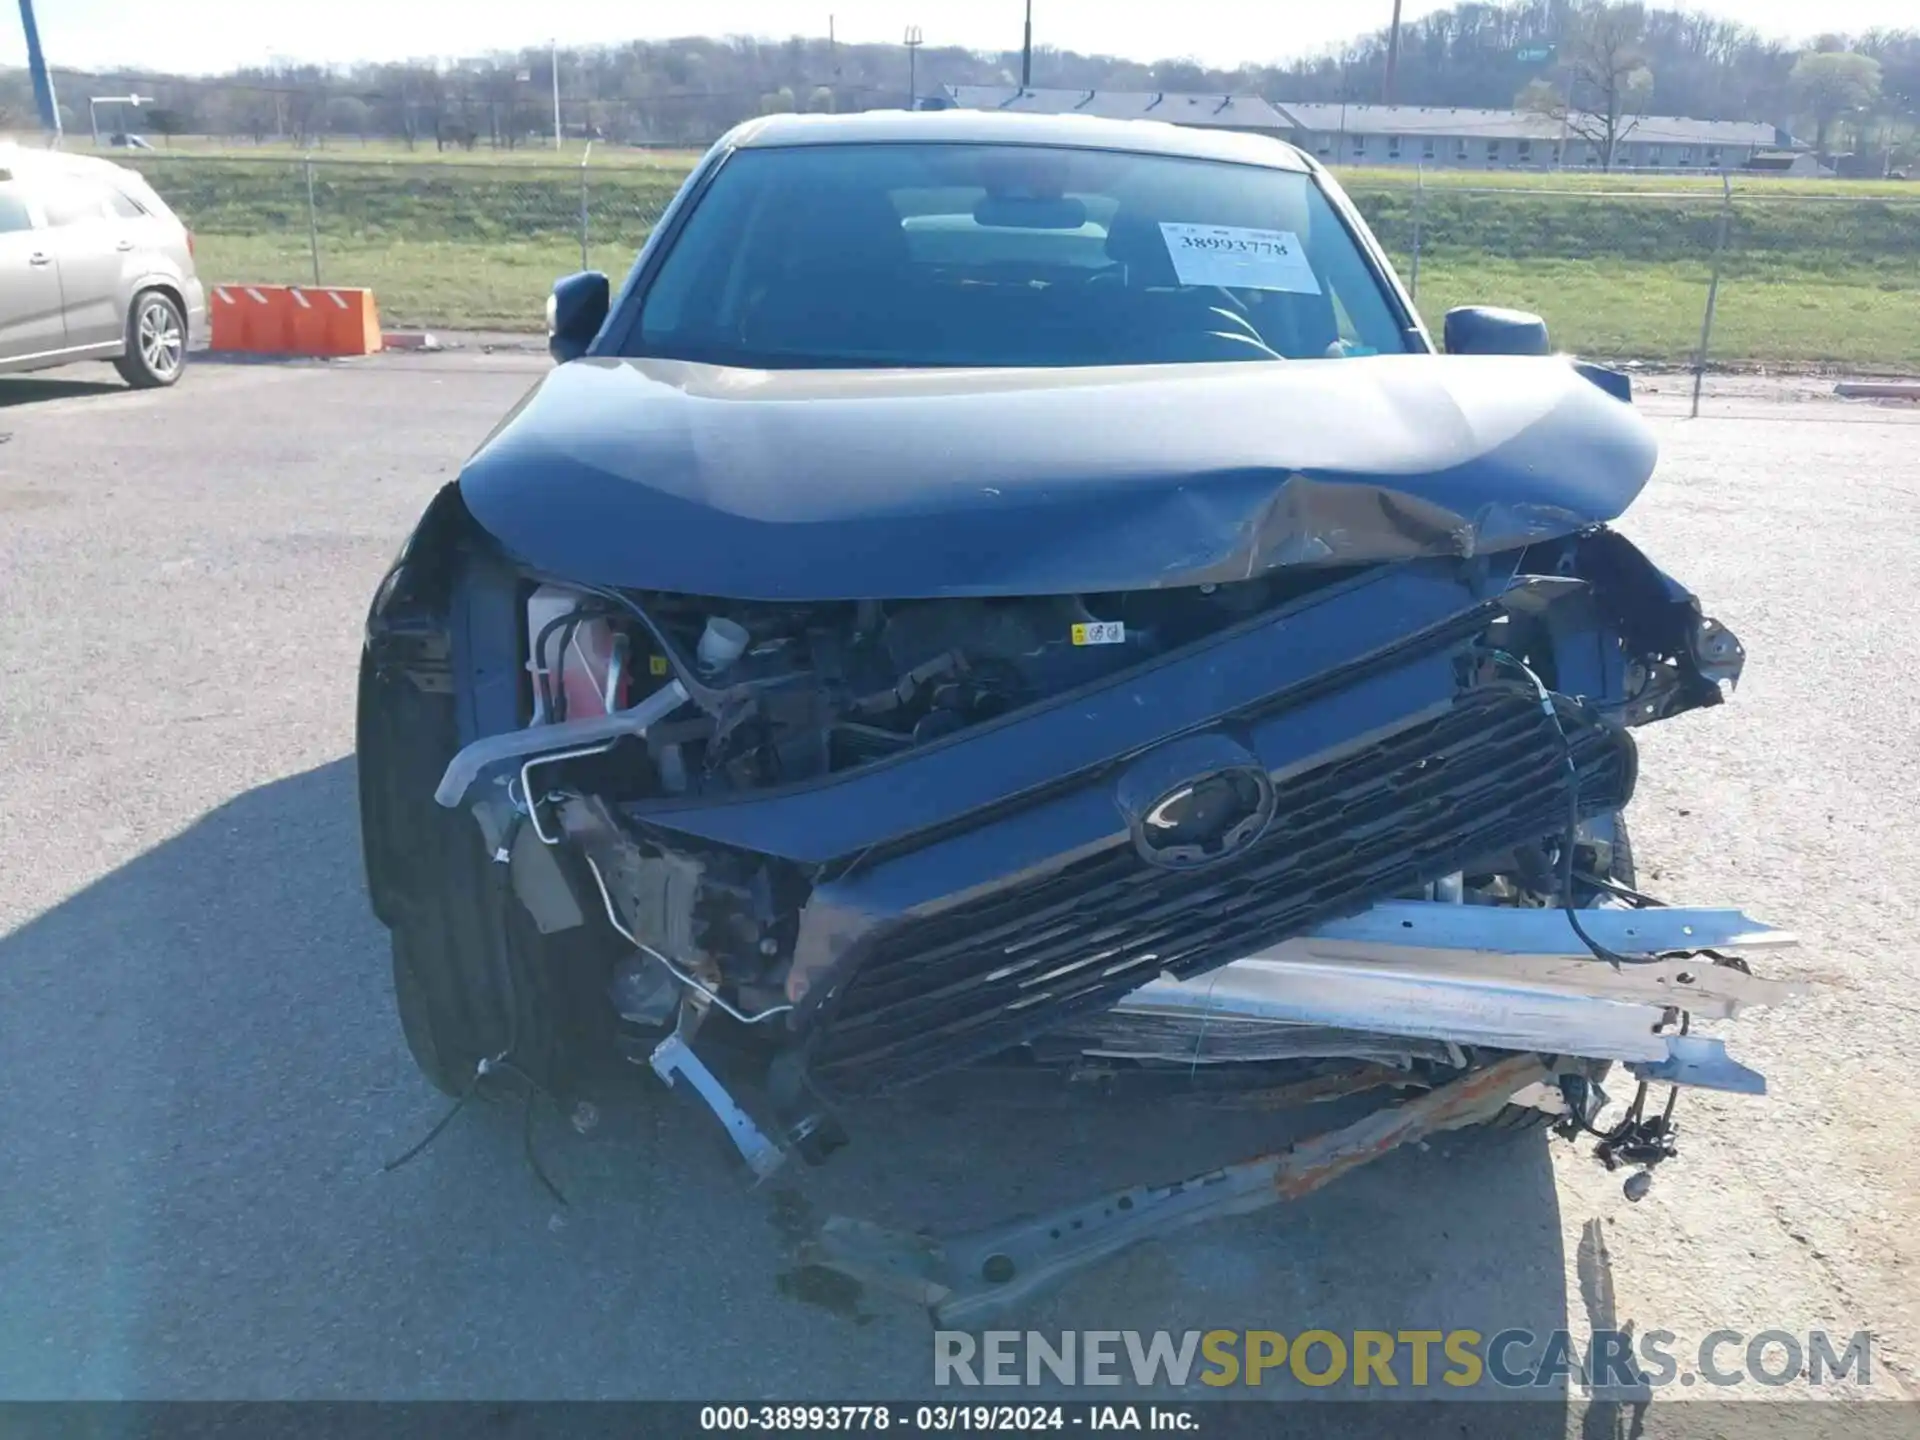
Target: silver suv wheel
x,y
156,342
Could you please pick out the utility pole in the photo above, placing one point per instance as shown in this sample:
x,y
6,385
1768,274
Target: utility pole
x,y
1393,54
553,56
1340,145
1026,54
43,97
912,42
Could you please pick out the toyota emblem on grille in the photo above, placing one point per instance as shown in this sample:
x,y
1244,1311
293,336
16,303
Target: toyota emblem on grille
x,y
1196,802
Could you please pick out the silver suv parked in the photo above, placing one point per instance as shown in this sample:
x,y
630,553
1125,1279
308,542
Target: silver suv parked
x,y
93,266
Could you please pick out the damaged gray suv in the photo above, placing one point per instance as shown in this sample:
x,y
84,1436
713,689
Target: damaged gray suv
x,y
1019,590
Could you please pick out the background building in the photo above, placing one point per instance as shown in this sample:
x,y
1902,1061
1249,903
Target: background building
x,y
1217,112
1409,135
1517,139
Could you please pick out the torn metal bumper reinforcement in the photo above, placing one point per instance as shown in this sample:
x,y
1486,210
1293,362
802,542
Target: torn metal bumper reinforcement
x,y
966,1278
1460,975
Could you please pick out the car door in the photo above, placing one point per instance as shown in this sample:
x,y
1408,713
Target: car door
x,y
91,246
30,322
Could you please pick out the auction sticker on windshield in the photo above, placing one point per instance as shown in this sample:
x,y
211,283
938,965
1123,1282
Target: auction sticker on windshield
x,y
1238,258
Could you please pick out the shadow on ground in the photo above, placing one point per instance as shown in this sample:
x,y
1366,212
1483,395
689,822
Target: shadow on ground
x,y
64,385
203,1078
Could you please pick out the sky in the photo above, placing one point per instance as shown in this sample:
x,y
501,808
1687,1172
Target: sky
x,y
204,36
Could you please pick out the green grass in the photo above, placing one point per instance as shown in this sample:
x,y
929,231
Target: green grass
x,y
1750,184
450,284
339,148
1814,273
347,148
382,199
1606,310
1619,311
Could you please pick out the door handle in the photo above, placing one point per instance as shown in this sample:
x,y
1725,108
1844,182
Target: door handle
x,y
39,257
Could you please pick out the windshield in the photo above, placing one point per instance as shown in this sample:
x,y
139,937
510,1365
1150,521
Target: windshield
x,y
1002,255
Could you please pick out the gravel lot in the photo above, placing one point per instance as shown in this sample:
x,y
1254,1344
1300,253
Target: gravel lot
x,y
202,1073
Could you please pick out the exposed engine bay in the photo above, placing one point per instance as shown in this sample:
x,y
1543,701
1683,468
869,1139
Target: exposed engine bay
x,y
793,693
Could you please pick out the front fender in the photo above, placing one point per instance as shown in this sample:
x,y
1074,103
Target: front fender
x,y
440,667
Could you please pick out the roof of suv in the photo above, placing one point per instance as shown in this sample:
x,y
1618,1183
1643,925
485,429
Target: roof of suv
x,y
32,164
29,159
995,127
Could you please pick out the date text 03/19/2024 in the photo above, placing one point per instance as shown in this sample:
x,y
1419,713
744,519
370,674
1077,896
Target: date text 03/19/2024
x,y
945,1419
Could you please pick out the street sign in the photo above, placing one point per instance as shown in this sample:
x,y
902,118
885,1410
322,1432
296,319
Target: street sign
x,y
1533,54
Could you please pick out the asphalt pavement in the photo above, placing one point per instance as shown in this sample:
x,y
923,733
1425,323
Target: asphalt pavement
x,y
201,1075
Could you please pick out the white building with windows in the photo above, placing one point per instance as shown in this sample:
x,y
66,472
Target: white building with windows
x,y
1436,136
1212,112
1407,135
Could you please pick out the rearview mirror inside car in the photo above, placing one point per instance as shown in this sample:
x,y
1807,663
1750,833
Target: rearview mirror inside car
x,y
1489,330
575,312
1011,212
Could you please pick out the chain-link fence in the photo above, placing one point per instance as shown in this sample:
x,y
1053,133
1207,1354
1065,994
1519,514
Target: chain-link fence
x,y
454,244
1738,272
1808,273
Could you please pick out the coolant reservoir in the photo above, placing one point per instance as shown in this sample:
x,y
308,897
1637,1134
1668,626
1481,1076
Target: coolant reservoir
x,y
584,660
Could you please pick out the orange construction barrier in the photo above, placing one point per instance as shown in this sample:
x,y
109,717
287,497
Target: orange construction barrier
x,y
295,320
246,317
352,325
309,319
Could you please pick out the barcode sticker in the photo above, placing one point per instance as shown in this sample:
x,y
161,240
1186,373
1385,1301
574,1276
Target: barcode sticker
x,y
1101,632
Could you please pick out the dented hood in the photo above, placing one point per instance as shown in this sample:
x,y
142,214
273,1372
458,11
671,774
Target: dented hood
x,y
841,485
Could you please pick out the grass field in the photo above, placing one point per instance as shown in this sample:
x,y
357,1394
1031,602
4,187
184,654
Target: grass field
x,y
1652,312
349,150
573,152
1813,272
1754,185
1806,279
1613,310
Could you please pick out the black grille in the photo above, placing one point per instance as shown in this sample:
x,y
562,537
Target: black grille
x,y
938,992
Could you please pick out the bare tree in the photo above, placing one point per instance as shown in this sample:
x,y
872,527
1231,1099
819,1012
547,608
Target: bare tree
x,y
1607,83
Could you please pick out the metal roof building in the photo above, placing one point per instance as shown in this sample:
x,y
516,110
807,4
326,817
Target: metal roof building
x,y
1442,136
1221,112
1450,136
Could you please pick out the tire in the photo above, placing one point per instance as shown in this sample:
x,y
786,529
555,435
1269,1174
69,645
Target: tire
x,y
156,342
473,977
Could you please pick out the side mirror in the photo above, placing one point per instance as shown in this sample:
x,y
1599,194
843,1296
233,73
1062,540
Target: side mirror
x,y
1488,330
575,312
